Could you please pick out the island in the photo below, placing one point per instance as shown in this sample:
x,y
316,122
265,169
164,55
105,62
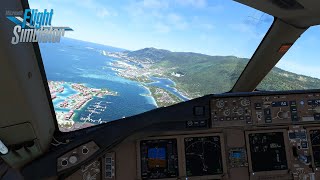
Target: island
x,y
71,98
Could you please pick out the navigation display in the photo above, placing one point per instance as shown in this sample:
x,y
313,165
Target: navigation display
x,y
159,159
203,156
268,151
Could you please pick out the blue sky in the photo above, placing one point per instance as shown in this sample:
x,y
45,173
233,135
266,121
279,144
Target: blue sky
x,y
219,27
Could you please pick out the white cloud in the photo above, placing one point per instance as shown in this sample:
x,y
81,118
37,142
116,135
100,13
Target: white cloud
x,y
177,21
202,23
157,13
207,26
35,5
203,37
155,4
216,8
162,28
145,7
299,68
194,3
44,4
250,30
174,17
182,25
103,12
241,27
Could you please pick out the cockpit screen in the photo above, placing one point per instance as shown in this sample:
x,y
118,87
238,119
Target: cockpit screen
x,y
315,143
236,154
203,156
268,151
159,159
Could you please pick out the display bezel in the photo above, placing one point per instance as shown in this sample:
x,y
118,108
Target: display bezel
x,y
286,144
181,155
223,156
310,147
158,138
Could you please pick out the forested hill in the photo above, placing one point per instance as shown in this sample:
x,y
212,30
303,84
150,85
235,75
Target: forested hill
x,y
200,74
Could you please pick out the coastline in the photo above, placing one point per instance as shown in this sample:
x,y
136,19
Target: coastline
x,y
154,102
183,94
163,97
76,126
71,103
75,111
151,79
132,72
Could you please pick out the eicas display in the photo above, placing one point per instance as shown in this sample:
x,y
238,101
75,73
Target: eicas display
x,y
268,151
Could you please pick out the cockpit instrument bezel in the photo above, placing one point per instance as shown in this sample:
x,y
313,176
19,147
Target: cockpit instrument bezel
x,y
271,172
223,155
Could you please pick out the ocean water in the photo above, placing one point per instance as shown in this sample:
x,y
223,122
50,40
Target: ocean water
x,y
168,85
83,62
68,91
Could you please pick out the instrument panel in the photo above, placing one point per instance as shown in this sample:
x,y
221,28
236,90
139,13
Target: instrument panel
x,y
315,145
203,156
159,159
280,153
100,169
258,136
269,148
265,109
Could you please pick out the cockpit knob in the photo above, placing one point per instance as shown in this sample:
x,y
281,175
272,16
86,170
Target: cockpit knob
x,y
85,150
73,159
283,115
226,112
245,102
64,162
220,104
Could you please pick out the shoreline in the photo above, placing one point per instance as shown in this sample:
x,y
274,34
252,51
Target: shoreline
x,y
181,93
154,101
163,97
76,126
71,103
145,76
137,70
121,71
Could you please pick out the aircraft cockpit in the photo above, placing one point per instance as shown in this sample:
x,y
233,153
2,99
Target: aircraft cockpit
x,y
161,90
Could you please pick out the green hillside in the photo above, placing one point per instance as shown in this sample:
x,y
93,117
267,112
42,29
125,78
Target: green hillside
x,y
280,79
204,74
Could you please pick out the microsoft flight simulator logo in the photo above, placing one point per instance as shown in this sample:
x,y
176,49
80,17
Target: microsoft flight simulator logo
x,y
35,26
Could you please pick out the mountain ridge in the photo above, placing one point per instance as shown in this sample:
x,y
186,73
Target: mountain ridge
x,y
216,74
155,51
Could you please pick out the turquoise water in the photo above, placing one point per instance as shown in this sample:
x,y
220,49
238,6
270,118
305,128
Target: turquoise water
x,y
82,62
167,84
68,91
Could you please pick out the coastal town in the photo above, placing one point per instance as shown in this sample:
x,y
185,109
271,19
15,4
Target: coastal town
x,y
70,104
141,70
134,69
70,99
163,97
